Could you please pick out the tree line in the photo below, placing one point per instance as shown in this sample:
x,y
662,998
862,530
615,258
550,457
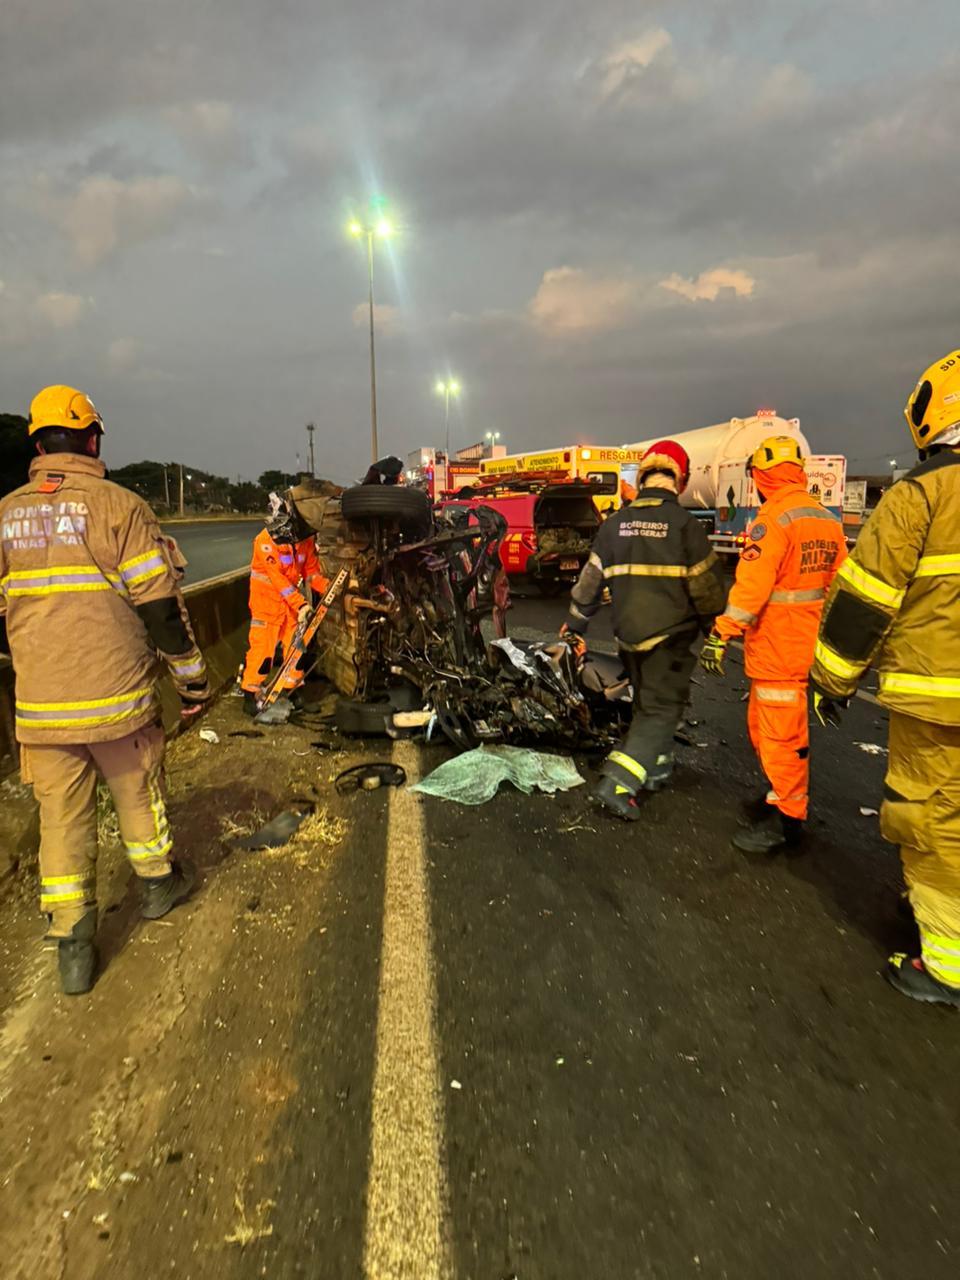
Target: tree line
x,y
157,482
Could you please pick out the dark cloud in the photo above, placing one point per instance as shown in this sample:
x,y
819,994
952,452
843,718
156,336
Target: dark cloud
x,y
615,219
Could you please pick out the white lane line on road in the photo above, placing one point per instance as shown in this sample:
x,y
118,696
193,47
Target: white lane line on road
x,y
406,1235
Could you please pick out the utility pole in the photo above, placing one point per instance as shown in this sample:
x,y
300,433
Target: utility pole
x,y
310,430
380,226
373,363
166,485
447,388
181,490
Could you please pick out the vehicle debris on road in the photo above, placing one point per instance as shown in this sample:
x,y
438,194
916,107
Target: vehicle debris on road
x,y
475,776
369,777
275,833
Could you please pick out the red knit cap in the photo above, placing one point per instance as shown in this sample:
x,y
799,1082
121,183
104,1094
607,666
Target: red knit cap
x,y
667,455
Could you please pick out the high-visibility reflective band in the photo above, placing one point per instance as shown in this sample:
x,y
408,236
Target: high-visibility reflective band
x,y
836,665
767,694
162,842
288,591
941,942
703,565
736,614
151,849
868,585
646,571
257,622
924,686
805,513
190,665
149,565
934,566
626,762
941,955
57,578
57,891
96,711
260,577
803,596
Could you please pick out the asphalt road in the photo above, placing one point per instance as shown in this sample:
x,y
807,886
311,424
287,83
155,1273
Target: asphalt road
x,y
517,1041
213,547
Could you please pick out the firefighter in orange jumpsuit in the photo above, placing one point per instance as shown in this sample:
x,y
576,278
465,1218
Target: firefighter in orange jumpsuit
x,y
284,557
794,549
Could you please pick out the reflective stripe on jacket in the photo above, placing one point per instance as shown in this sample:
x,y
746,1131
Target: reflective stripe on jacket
x,y
276,571
78,556
663,575
794,550
896,602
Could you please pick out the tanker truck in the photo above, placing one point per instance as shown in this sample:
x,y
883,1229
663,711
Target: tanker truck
x,y
722,494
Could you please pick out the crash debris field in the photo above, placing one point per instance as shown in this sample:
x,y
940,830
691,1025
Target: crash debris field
x,y
514,1040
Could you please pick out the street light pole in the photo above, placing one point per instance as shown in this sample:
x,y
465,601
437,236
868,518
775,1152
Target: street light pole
x,y
447,388
376,225
181,490
375,448
310,430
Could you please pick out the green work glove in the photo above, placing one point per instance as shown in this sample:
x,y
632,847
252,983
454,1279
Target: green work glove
x,y
712,654
827,708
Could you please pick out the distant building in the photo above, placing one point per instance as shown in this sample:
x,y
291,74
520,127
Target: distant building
x,y
428,468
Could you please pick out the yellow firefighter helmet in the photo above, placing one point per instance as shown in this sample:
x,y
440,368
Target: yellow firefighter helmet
x,y
774,450
934,404
63,407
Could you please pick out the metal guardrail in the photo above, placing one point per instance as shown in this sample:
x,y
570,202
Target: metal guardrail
x,y
218,611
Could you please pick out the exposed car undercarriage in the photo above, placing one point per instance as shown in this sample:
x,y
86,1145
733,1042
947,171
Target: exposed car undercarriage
x,y
406,646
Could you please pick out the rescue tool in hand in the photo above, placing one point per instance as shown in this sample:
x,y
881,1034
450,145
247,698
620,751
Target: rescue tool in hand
x,y
301,641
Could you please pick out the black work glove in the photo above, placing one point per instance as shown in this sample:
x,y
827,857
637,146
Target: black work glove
x,y
827,707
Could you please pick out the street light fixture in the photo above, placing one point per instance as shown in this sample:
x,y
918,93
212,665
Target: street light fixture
x,y
493,437
382,228
447,389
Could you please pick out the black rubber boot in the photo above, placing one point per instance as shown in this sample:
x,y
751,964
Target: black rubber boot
x,y
775,832
615,799
905,907
77,956
249,703
659,776
161,894
755,810
911,978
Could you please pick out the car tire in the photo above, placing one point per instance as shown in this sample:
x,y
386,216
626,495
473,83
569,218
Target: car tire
x,y
362,719
386,502
370,718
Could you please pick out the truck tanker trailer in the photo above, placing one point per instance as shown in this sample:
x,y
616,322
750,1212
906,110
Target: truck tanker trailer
x,y
722,494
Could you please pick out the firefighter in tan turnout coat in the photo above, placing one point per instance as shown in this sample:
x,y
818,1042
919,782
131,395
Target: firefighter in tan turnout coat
x,y
90,593
895,606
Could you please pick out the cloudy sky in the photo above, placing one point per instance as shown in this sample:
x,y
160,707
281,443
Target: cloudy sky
x,y
614,219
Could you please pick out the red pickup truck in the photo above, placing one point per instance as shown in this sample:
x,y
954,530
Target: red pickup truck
x,y
549,531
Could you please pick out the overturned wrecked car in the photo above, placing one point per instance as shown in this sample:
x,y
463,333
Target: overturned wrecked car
x,y
417,640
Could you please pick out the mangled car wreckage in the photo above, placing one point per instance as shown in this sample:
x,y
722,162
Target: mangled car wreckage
x,y
418,636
